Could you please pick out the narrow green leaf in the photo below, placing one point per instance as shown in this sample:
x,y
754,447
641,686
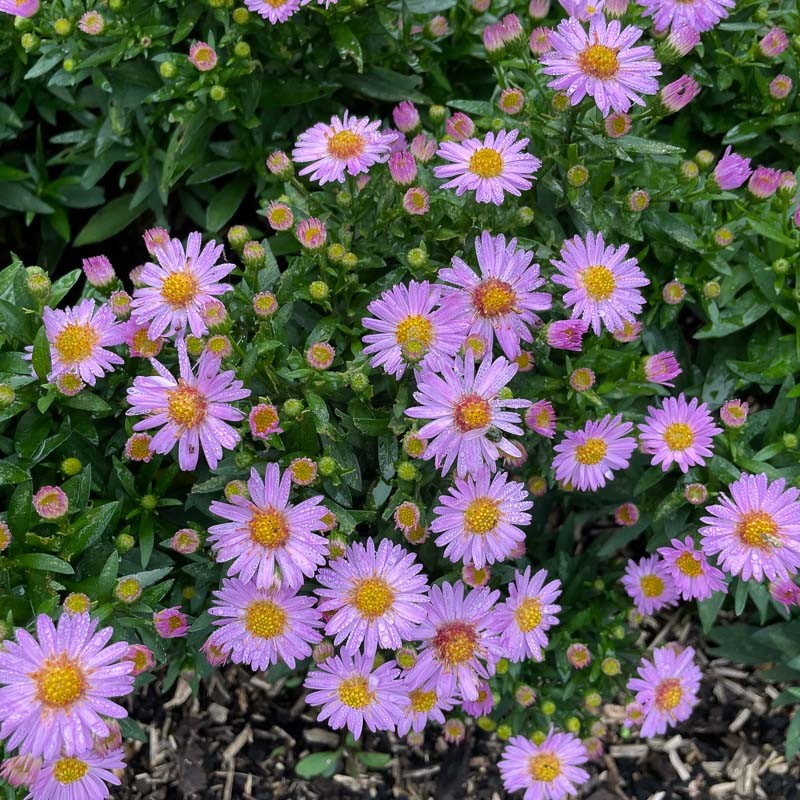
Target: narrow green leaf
x,y
44,562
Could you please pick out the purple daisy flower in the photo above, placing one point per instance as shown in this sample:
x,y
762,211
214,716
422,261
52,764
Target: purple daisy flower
x,y
192,410
410,328
478,519
541,418
547,771
603,284
420,706
267,538
175,291
666,688
649,584
679,432
57,689
501,300
482,704
522,621
458,648
695,15
373,597
78,338
689,569
348,144
589,457
19,8
732,170
601,63
756,530
276,11
353,694
261,626
467,417
80,777
491,167
661,368
566,334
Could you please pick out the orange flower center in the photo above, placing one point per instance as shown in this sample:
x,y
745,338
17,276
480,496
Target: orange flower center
x,y
599,282
486,163
668,694
60,682
545,767
372,597
528,614
268,528
652,586
265,619
354,692
689,565
346,145
186,406
599,61
472,412
69,770
180,288
591,452
678,436
76,342
420,700
455,643
758,529
482,515
494,298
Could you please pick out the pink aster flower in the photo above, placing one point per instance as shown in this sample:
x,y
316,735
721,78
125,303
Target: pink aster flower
x,y
419,707
548,771
175,290
268,539
731,171
689,569
136,336
264,420
92,23
541,418
755,529
185,541
773,43
259,626
626,515
694,15
20,770
678,94
120,303
482,704
406,116
192,410
57,686
786,592
98,271
617,125
578,655
373,597
511,101
459,127
422,148
491,167
476,577
661,368
582,379
320,355
84,776
416,201
603,284
649,584
311,233
588,458
19,8
629,332
51,502
566,334
141,658
410,328
79,337
353,694
523,620
403,168
582,10
601,63
764,182
458,648
347,144
463,407
680,432
666,688
171,623
5,536
203,56
780,87
279,216
139,447
539,40
276,11
479,518
734,413
502,300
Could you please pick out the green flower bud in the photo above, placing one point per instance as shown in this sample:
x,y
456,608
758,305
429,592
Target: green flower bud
x,y
790,441
599,584
688,171
7,395
28,41
71,466
437,114
711,289
254,255
38,282
537,737
244,460
610,666
525,215
167,69
359,382
344,199
336,252
761,14
504,732
349,260
486,724
149,502
502,666
241,50
406,471
417,258
319,290
548,708
241,16
781,266
115,5
293,408
195,345
505,393
573,724
618,632
124,543
217,93
577,175
238,236
560,102
327,466
62,27
704,159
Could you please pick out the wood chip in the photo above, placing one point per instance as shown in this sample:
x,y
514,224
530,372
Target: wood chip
x,y
183,691
740,720
232,750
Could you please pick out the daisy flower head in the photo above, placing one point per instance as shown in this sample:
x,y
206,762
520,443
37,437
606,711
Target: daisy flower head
x,y
19,8
373,596
353,694
696,15
260,627
734,413
731,172
666,688
140,657
458,648
264,420
175,290
79,338
268,539
601,63
84,776
491,167
551,770
786,592
479,519
276,11
346,144
57,686
51,502
192,410
482,704
454,730
203,56
690,571
681,432
502,300
578,655
523,620
603,285
421,706
541,418
98,271
171,623
649,584
137,336
661,368
755,528
20,770
411,328
566,334
588,458
468,422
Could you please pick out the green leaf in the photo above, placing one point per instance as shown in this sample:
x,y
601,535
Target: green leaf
x,y
316,764
146,540
12,473
793,737
374,760
113,217
41,355
740,597
15,321
20,508
108,576
86,401
709,610
428,6
44,562
386,84
131,729
89,528
60,287
225,203
348,45
212,171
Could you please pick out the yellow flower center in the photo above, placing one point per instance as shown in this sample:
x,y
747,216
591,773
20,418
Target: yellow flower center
x,y
486,163
354,692
265,619
479,576
407,516
591,452
139,448
264,419
76,342
128,588
346,145
689,565
372,597
544,767
75,603
482,515
304,471
528,614
493,298
455,643
758,529
599,61
143,344
543,418
599,282
140,661
69,770
268,528
186,406
472,412
420,700
414,330
652,586
204,55
180,289
174,622
60,682
668,694
678,436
